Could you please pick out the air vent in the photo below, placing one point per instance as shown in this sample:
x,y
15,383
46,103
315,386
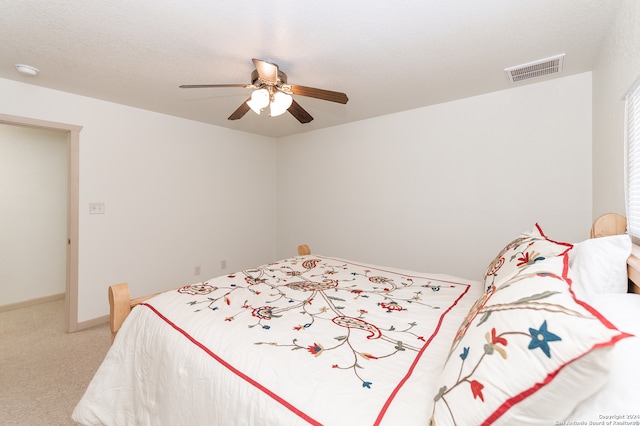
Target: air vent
x,y
552,65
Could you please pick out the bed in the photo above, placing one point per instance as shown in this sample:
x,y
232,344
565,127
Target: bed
x,y
545,336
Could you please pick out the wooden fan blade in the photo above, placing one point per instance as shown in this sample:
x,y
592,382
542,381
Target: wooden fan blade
x,y
325,95
241,111
266,70
299,113
201,86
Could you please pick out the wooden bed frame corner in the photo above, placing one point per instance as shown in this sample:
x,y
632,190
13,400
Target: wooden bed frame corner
x,y
633,268
120,305
120,302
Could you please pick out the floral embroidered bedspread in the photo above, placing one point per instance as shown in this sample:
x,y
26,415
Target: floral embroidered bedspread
x,y
326,340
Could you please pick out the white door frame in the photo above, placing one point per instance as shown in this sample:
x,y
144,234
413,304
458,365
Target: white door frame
x,y
73,131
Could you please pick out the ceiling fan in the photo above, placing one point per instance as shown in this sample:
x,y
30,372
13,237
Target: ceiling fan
x,y
273,91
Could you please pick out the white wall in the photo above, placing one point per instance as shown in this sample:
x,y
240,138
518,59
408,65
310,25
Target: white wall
x,y
442,188
178,194
616,69
33,213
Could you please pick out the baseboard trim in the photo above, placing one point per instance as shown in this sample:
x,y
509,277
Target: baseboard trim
x,y
31,302
93,322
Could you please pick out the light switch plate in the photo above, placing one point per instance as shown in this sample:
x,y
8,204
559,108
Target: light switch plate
x,y
96,208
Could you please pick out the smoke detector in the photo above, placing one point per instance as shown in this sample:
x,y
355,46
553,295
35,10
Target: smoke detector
x,y
27,70
540,68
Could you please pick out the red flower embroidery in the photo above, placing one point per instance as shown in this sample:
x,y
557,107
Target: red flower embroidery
x,y
495,340
529,258
476,390
392,306
523,260
315,349
264,312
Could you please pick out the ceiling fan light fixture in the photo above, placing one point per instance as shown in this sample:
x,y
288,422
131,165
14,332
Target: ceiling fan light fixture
x,y
259,100
280,103
271,89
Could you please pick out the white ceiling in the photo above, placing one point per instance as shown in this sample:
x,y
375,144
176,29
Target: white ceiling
x,y
387,56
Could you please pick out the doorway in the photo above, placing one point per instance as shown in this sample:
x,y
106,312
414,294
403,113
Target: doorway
x,y
71,281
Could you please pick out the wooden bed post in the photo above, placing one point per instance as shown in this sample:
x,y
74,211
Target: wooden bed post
x,y
304,249
608,224
119,307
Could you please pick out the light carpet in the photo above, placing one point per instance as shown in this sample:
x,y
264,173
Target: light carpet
x,y
43,370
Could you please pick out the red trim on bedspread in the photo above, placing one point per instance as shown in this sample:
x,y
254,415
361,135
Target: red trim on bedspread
x,y
288,405
233,369
385,407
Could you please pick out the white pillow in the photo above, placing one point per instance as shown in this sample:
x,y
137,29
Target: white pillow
x,y
599,265
621,393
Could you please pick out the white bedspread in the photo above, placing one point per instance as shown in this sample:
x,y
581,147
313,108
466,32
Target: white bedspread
x,y
308,340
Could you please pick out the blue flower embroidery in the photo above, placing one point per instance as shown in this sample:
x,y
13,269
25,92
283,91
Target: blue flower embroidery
x,y
465,353
366,385
541,338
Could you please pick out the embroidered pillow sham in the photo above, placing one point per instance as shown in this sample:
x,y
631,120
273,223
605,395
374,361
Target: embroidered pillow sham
x,y
523,345
530,247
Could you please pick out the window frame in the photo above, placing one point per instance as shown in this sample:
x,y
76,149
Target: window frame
x,y
632,160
